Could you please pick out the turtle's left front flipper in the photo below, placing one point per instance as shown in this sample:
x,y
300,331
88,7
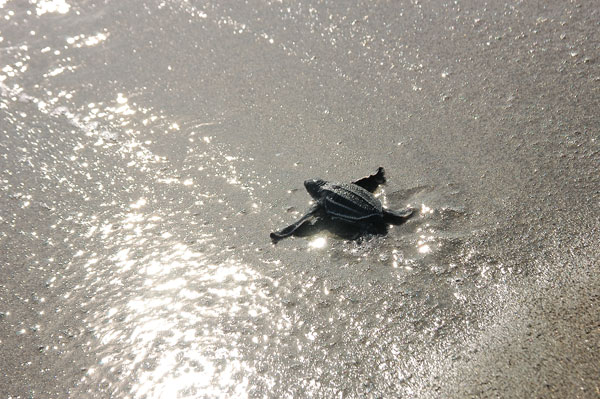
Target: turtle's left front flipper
x,y
397,217
288,231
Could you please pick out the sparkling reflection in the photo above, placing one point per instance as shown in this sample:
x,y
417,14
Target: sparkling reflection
x,y
81,40
424,249
169,309
173,302
318,243
50,6
165,308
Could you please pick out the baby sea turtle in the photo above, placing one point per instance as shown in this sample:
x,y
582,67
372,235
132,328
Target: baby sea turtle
x,y
353,203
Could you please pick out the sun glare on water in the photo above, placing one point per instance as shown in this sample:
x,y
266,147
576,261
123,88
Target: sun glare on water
x,y
319,242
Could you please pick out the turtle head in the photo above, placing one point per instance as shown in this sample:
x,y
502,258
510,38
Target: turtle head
x,y
313,186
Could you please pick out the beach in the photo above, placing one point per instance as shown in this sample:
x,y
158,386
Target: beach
x,y
148,149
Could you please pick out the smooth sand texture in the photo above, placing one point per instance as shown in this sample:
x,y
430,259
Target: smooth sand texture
x,y
147,150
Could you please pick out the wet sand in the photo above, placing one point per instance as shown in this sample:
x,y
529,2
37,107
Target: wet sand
x,y
148,150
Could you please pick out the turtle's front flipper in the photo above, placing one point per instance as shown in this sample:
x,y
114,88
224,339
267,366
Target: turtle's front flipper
x,y
397,217
370,183
288,231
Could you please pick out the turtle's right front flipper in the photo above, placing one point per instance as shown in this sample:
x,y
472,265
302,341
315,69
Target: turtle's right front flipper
x,y
370,183
288,231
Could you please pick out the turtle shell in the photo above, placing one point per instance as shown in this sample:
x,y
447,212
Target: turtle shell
x,y
350,202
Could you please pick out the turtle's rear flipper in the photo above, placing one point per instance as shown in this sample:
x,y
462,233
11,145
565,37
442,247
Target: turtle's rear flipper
x,y
288,231
370,183
397,217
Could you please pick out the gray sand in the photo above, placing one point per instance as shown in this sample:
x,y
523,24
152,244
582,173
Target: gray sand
x,y
147,150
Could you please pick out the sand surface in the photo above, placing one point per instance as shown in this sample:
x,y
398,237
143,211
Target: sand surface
x,y
147,150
